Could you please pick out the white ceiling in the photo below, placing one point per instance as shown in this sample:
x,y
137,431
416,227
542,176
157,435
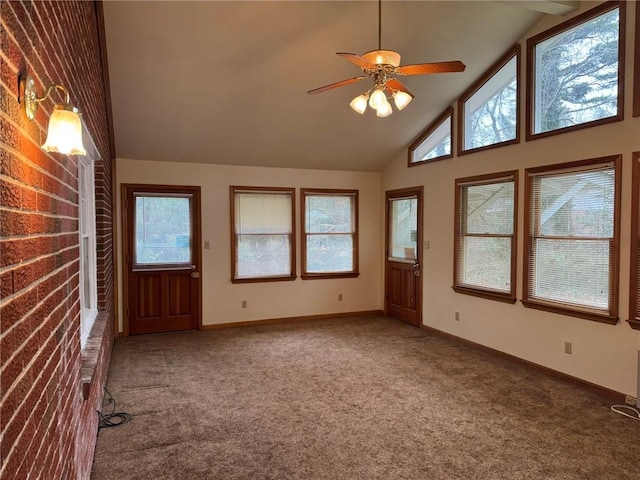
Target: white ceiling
x,y
226,82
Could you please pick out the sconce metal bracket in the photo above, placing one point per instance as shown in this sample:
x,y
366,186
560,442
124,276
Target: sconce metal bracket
x,y
29,97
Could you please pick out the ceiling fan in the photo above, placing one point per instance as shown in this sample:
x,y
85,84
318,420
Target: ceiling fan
x,y
382,65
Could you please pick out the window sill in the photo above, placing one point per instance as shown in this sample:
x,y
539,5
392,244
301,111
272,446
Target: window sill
x,y
602,318
90,354
500,297
635,324
263,279
315,276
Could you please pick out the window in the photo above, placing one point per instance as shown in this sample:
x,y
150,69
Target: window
x,y
571,254
262,222
575,72
485,245
634,290
488,111
435,142
163,230
330,234
87,231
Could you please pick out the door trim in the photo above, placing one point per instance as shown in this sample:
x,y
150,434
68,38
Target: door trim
x,y
396,194
127,188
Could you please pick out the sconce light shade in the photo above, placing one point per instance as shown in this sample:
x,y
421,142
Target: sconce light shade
x,y
64,132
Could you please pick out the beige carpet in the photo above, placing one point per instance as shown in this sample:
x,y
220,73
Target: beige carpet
x,y
354,398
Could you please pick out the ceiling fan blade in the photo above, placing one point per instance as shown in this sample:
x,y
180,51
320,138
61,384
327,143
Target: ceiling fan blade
x,y
331,86
438,67
357,59
394,84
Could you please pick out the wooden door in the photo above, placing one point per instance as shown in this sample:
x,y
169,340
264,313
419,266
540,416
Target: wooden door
x,y
162,284
403,280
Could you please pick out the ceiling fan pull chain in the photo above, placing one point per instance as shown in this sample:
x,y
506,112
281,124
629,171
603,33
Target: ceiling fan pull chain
x,y
379,24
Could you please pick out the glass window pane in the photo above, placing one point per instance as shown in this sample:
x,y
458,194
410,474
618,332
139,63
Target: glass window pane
x,y
162,230
490,114
578,204
437,144
490,208
576,74
263,256
329,253
487,263
403,228
329,214
572,271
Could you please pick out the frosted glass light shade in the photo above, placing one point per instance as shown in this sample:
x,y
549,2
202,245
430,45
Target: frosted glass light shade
x,y
64,134
384,110
359,104
401,99
382,57
377,98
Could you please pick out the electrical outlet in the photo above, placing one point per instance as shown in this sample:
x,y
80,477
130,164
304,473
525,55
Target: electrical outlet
x,y
629,400
207,245
568,347
244,304
457,316
339,297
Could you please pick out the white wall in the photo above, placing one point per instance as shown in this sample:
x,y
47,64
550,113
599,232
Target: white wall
x,y
221,299
602,354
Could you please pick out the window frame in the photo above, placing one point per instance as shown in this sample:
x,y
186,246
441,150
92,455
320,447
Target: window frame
x,y
87,213
426,133
353,194
478,291
611,317
233,189
514,51
532,42
636,63
634,283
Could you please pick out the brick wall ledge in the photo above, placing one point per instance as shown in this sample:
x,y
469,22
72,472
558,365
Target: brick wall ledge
x,y
91,352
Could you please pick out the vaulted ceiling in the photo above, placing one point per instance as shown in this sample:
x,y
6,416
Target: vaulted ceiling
x,y
226,82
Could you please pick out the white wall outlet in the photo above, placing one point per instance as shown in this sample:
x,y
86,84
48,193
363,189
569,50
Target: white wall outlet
x,y
629,400
207,244
426,245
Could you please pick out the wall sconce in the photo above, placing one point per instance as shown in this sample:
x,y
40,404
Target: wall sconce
x,y
64,134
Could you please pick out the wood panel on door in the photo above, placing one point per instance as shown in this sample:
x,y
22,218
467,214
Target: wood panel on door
x,y
162,258
403,270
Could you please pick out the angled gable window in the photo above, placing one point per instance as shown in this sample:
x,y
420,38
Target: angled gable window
x,y
575,72
485,246
488,111
434,143
263,240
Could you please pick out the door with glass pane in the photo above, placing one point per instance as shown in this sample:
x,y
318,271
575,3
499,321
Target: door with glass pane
x,y
403,281
162,289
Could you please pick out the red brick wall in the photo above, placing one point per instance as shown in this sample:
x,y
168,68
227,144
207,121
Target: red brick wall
x,y
47,428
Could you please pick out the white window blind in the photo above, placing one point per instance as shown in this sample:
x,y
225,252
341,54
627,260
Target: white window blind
x,y
263,234
572,241
484,249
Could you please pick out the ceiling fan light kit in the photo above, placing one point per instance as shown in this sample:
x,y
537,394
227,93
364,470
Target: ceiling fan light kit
x,y
382,65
